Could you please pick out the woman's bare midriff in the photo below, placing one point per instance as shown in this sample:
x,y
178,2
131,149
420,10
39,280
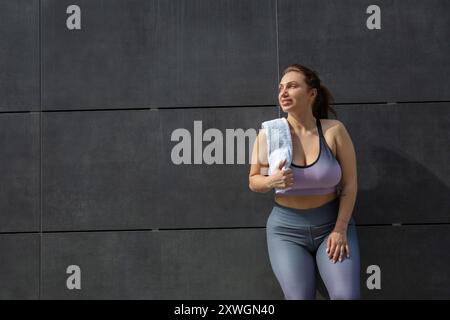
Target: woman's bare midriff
x,y
305,202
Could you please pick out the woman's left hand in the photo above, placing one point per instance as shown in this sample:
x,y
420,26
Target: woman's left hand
x,y
337,246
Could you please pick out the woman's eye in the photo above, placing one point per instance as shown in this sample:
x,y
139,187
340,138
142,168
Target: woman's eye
x,y
288,86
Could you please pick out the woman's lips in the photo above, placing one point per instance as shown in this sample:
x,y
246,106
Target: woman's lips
x,y
288,101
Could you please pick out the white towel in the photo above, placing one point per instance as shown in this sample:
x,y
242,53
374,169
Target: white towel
x,y
279,145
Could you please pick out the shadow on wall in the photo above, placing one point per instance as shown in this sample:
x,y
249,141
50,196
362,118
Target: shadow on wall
x,y
396,189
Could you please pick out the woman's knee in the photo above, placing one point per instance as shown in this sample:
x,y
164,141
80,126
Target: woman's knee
x,y
345,294
299,294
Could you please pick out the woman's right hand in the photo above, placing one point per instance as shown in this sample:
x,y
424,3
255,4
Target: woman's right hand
x,y
281,178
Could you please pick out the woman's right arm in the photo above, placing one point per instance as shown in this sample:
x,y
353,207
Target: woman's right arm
x,y
259,181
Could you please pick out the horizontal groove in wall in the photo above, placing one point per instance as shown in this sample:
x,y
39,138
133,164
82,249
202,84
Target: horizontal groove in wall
x,y
160,108
397,225
26,111
341,104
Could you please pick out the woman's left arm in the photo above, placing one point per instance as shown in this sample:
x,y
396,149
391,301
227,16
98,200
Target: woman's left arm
x,y
346,156
337,246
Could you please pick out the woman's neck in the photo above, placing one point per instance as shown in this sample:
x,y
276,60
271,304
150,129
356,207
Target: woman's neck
x,y
302,124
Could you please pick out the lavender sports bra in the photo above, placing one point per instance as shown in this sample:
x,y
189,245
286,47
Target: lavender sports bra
x,y
320,177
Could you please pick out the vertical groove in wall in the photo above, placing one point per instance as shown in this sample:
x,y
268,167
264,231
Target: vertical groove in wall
x,y
40,154
278,53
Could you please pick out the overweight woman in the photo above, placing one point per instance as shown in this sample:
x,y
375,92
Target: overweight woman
x,y
311,225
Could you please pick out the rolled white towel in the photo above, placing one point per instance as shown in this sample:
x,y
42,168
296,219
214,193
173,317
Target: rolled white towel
x,y
279,145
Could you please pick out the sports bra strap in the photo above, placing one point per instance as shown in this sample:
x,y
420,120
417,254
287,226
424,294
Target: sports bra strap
x,y
319,127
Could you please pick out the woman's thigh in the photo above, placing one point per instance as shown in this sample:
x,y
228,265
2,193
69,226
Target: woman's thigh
x,y
293,266
342,279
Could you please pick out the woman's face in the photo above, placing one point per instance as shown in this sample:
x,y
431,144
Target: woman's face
x,y
294,93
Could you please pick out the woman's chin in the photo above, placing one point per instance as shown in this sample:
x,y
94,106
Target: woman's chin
x,y
286,108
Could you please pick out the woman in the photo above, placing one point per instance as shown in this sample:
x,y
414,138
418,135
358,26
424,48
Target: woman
x,y
311,223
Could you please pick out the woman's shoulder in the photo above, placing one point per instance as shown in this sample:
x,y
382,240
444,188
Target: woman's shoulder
x,y
331,124
333,130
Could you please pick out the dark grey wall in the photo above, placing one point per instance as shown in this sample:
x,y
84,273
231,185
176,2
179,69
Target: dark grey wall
x,y
86,118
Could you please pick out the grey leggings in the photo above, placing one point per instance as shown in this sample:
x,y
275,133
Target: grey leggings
x,y
297,243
